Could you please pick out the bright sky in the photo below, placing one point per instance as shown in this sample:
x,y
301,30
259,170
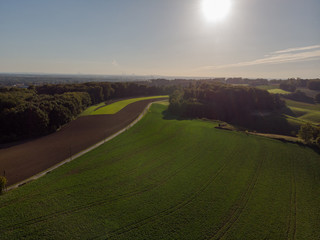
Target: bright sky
x,y
254,38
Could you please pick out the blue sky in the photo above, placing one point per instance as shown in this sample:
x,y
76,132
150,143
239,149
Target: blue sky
x,y
258,38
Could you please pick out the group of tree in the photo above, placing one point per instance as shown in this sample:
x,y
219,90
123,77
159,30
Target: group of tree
x,y
310,134
287,86
25,114
299,96
314,85
39,110
222,101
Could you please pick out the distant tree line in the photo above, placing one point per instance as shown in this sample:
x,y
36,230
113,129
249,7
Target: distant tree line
x,y
247,81
221,101
39,110
292,84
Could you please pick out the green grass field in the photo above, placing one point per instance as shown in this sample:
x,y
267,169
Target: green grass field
x,y
173,179
273,89
305,112
278,91
113,108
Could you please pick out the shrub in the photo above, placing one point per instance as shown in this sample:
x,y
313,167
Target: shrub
x,y
3,182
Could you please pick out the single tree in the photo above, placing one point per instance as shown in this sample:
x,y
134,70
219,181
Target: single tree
x,y
308,133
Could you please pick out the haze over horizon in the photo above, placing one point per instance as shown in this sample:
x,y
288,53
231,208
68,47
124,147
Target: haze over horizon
x,y
254,39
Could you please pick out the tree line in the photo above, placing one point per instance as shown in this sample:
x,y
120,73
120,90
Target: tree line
x,y
39,110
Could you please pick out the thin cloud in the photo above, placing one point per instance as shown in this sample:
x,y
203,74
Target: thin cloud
x,y
115,63
297,49
283,56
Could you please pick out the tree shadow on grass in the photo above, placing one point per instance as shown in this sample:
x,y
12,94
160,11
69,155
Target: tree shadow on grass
x,y
167,115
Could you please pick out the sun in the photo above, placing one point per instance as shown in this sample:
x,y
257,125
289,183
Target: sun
x,y
215,10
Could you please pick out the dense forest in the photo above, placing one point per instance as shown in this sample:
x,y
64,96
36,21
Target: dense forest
x,y
39,110
249,107
223,102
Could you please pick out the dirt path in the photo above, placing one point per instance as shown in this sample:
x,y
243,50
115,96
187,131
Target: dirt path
x,y
25,160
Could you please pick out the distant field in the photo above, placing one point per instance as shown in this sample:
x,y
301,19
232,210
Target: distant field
x,y
273,89
305,112
278,91
115,107
173,179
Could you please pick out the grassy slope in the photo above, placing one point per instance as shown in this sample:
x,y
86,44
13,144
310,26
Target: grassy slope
x,y
171,179
113,108
305,112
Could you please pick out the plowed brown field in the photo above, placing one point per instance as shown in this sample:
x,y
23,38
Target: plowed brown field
x,y
25,160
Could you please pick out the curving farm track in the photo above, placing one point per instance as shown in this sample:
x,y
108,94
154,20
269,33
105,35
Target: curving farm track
x,y
25,160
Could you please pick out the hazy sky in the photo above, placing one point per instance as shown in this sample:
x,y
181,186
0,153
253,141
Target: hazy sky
x,y
257,38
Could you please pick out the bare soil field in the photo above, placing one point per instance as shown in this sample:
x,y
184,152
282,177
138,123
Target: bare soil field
x,y
27,159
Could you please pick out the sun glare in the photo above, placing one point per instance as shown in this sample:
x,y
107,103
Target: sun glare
x,y
215,10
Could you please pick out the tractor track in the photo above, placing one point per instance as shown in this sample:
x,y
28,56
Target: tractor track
x,y
166,212
237,209
291,230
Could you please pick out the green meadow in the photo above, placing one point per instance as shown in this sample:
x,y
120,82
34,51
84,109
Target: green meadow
x,y
167,178
305,112
115,107
278,91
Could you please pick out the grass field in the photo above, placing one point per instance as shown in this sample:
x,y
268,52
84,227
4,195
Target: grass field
x,y
273,89
305,112
278,91
173,179
115,107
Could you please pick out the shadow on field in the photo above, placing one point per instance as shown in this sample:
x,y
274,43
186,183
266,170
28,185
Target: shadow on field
x,y
275,123
167,115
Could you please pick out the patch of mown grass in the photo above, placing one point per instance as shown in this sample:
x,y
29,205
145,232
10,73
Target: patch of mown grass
x,y
115,107
278,91
273,89
173,179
